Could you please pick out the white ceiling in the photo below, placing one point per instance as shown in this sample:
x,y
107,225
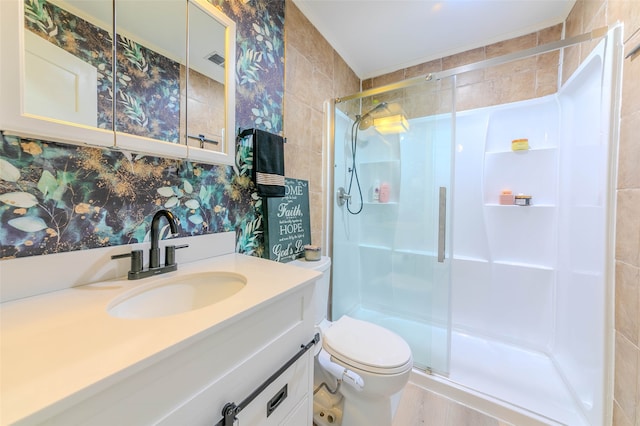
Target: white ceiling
x,y
379,36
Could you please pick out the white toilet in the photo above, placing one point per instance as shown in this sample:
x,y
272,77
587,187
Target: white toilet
x,y
372,362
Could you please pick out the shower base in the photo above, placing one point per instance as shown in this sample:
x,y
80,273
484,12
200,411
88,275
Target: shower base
x,y
508,382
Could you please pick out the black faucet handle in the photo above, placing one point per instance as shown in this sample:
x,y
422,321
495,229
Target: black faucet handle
x,y
170,254
136,259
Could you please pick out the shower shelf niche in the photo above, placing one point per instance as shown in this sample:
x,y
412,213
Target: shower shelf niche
x,y
417,252
523,265
534,173
378,203
543,206
379,162
375,247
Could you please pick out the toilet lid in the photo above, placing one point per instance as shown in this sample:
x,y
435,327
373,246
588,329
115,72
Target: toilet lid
x,y
367,346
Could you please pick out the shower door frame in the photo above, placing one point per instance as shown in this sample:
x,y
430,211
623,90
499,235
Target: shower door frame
x,y
437,309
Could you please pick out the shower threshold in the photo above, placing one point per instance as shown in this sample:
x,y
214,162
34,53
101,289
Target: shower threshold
x,y
488,375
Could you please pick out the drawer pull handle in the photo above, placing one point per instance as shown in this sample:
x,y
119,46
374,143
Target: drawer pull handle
x,y
276,400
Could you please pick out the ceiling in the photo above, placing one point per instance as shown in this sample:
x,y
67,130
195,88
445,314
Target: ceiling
x,y
379,36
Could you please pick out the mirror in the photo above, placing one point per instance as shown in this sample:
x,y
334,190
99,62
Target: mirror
x,y
163,100
151,55
68,61
210,112
171,78
206,80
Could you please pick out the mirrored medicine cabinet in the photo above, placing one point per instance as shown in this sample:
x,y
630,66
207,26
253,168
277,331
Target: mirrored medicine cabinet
x,y
168,90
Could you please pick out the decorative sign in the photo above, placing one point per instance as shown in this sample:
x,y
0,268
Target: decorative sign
x,y
288,228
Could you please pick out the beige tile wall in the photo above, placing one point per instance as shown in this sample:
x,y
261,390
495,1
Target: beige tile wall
x,y
205,106
524,79
314,72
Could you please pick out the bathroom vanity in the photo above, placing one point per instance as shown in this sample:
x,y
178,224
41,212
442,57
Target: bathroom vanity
x,y
68,357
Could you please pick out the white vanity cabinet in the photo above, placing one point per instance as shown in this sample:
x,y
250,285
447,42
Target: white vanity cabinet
x,y
192,384
65,361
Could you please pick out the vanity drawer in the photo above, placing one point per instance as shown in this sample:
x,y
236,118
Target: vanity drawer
x,y
296,382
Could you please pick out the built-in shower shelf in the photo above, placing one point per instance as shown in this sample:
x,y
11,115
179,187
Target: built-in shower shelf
x,y
418,252
523,265
511,206
533,172
470,259
375,247
425,253
377,203
379,162
522,152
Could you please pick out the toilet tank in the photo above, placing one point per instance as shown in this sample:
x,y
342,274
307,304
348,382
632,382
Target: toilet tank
x,y
321,292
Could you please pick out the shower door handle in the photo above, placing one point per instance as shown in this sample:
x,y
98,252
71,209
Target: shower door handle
x,y
442,222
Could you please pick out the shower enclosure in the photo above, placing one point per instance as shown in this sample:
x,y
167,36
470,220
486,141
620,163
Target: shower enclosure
x,y
508,304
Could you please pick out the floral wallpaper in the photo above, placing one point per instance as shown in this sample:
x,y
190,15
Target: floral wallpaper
x,y
147,92
259,61
56,197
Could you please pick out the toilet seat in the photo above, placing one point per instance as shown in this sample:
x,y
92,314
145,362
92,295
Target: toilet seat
x,y
367,346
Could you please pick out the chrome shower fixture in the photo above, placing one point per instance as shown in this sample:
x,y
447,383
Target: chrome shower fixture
x,y
366,120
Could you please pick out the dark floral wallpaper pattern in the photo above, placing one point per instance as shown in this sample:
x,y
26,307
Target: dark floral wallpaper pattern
x,y
56,198
259,61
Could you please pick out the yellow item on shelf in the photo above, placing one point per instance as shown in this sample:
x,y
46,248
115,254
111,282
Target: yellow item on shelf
x,y
520,144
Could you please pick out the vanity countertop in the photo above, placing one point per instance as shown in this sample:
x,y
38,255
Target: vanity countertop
x,y
59,348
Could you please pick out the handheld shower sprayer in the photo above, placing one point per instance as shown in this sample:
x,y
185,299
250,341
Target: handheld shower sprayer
x,y
362,122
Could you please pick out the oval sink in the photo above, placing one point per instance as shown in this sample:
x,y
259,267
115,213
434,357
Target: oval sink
x,y
176,295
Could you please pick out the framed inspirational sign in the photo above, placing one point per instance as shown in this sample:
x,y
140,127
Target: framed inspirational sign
x,y
288,228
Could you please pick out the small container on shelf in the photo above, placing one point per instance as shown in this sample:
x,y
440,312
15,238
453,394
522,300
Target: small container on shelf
x,y
375,191
522,200
520,144
506,197
311,253
384,192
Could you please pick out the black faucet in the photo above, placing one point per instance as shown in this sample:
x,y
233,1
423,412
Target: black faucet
x,y
154,253
170,264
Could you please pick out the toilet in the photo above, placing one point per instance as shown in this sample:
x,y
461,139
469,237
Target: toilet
x,y
372,363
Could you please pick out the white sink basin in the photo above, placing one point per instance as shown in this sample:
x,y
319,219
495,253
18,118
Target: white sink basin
x,y
175,295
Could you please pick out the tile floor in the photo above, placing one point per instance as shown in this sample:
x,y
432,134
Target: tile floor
x,y
421,407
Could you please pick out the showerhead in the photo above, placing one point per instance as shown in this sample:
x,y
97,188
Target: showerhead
x,y
366,120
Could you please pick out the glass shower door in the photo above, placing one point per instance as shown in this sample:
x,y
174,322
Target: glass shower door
x,y
391,251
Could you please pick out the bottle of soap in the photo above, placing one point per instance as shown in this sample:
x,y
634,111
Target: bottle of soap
x,y
385,192
375,191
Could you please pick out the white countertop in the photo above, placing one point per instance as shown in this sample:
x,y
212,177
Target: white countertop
x,y
59,348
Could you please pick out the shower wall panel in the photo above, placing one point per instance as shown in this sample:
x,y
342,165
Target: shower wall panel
x,y
536,276
504,255
581,320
